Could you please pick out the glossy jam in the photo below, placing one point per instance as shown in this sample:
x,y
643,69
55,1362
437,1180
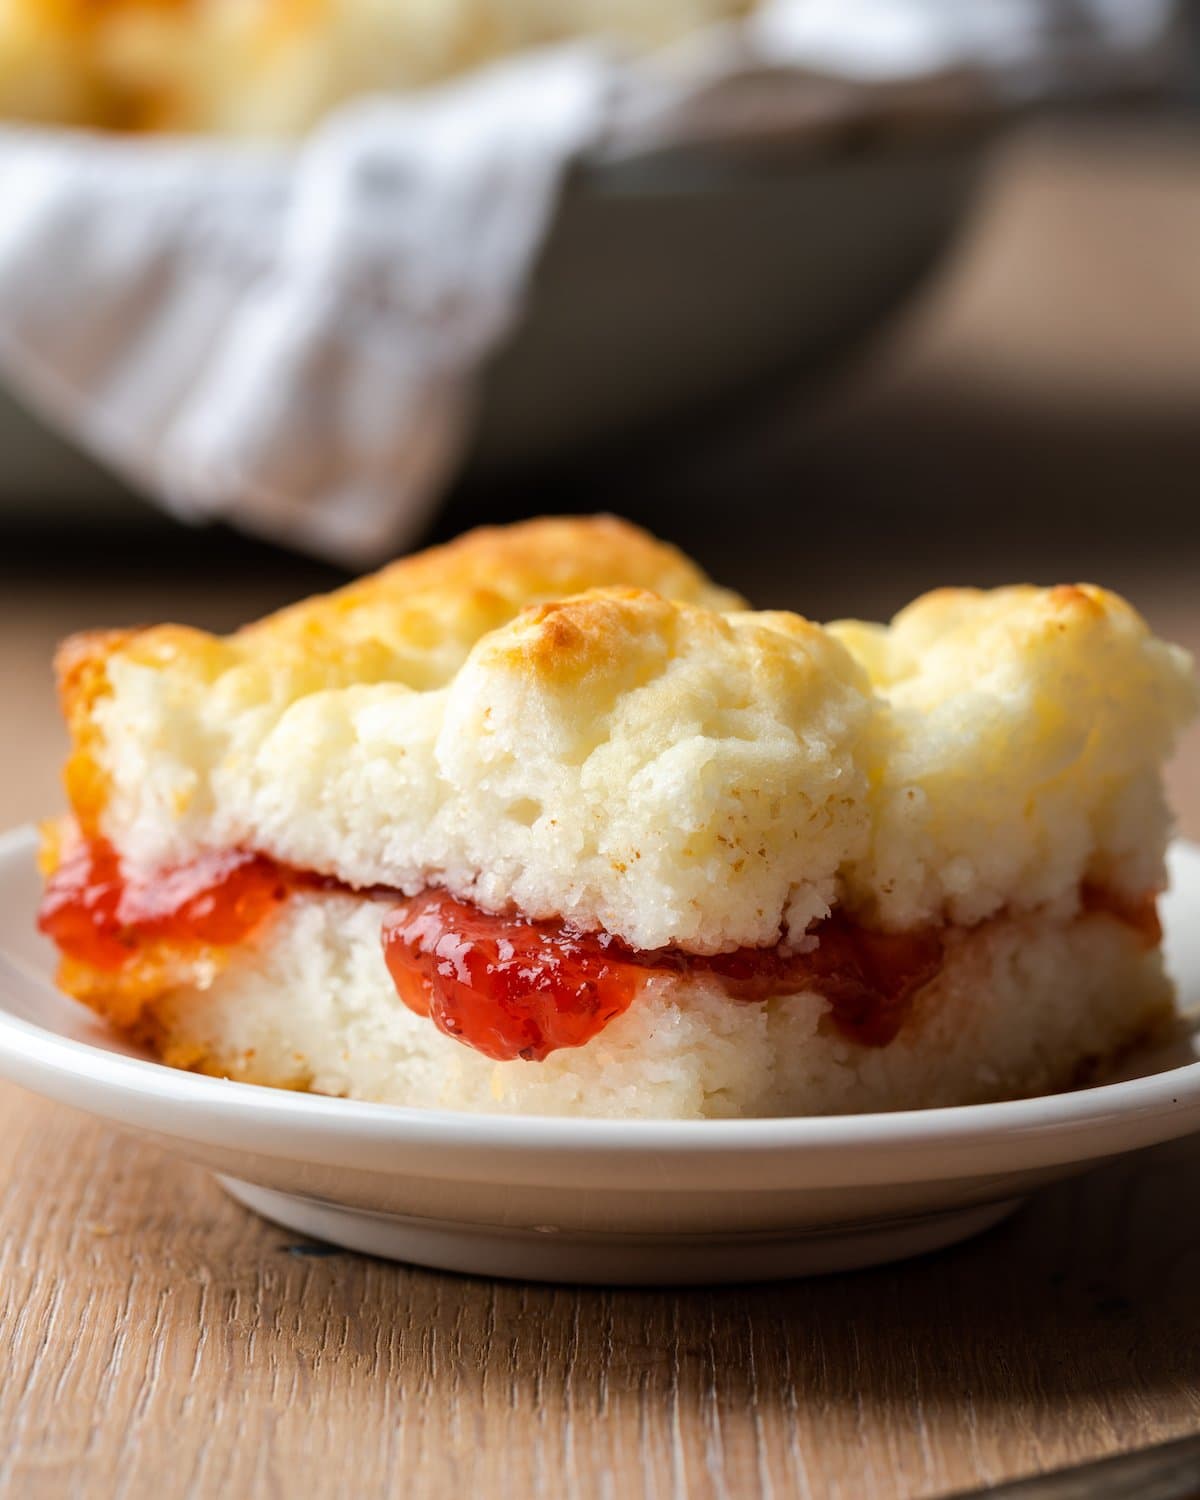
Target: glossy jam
x,y
513,988
505,985
100,915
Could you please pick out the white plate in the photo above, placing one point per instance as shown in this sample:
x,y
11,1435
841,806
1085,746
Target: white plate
x,y
595,1200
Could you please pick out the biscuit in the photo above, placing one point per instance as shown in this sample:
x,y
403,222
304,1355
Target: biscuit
x,y
856,866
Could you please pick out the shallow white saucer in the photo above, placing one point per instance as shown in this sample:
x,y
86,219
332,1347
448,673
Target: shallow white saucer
x,y
596,1200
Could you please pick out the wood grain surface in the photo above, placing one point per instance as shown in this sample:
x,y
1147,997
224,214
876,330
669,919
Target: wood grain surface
x,y
159,1340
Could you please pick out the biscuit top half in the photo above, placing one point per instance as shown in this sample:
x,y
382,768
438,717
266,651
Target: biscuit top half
x,y
568,719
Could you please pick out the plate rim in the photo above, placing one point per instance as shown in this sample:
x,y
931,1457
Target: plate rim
x,y
28,1048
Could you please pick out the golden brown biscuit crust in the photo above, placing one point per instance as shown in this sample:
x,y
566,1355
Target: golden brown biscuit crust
x,y
414,620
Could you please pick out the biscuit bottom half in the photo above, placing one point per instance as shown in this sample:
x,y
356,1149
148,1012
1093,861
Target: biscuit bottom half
x,y
1019,1005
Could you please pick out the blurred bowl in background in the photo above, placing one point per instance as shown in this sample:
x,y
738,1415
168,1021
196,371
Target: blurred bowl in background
x,y
670,282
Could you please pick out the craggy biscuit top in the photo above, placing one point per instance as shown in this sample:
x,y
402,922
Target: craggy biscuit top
x,y
411,624
567,718
1021,735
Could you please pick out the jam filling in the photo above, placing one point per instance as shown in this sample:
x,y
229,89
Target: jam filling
x,y
100,915
511,987
506,985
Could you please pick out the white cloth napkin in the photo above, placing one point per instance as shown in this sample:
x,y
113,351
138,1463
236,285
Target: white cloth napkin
x,y
287,338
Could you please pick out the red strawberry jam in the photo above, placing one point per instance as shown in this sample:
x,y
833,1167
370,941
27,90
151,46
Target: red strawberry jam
x,y
511,987
101,916
505,985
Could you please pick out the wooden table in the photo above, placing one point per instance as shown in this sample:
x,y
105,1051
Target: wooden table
x,y
159,1340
